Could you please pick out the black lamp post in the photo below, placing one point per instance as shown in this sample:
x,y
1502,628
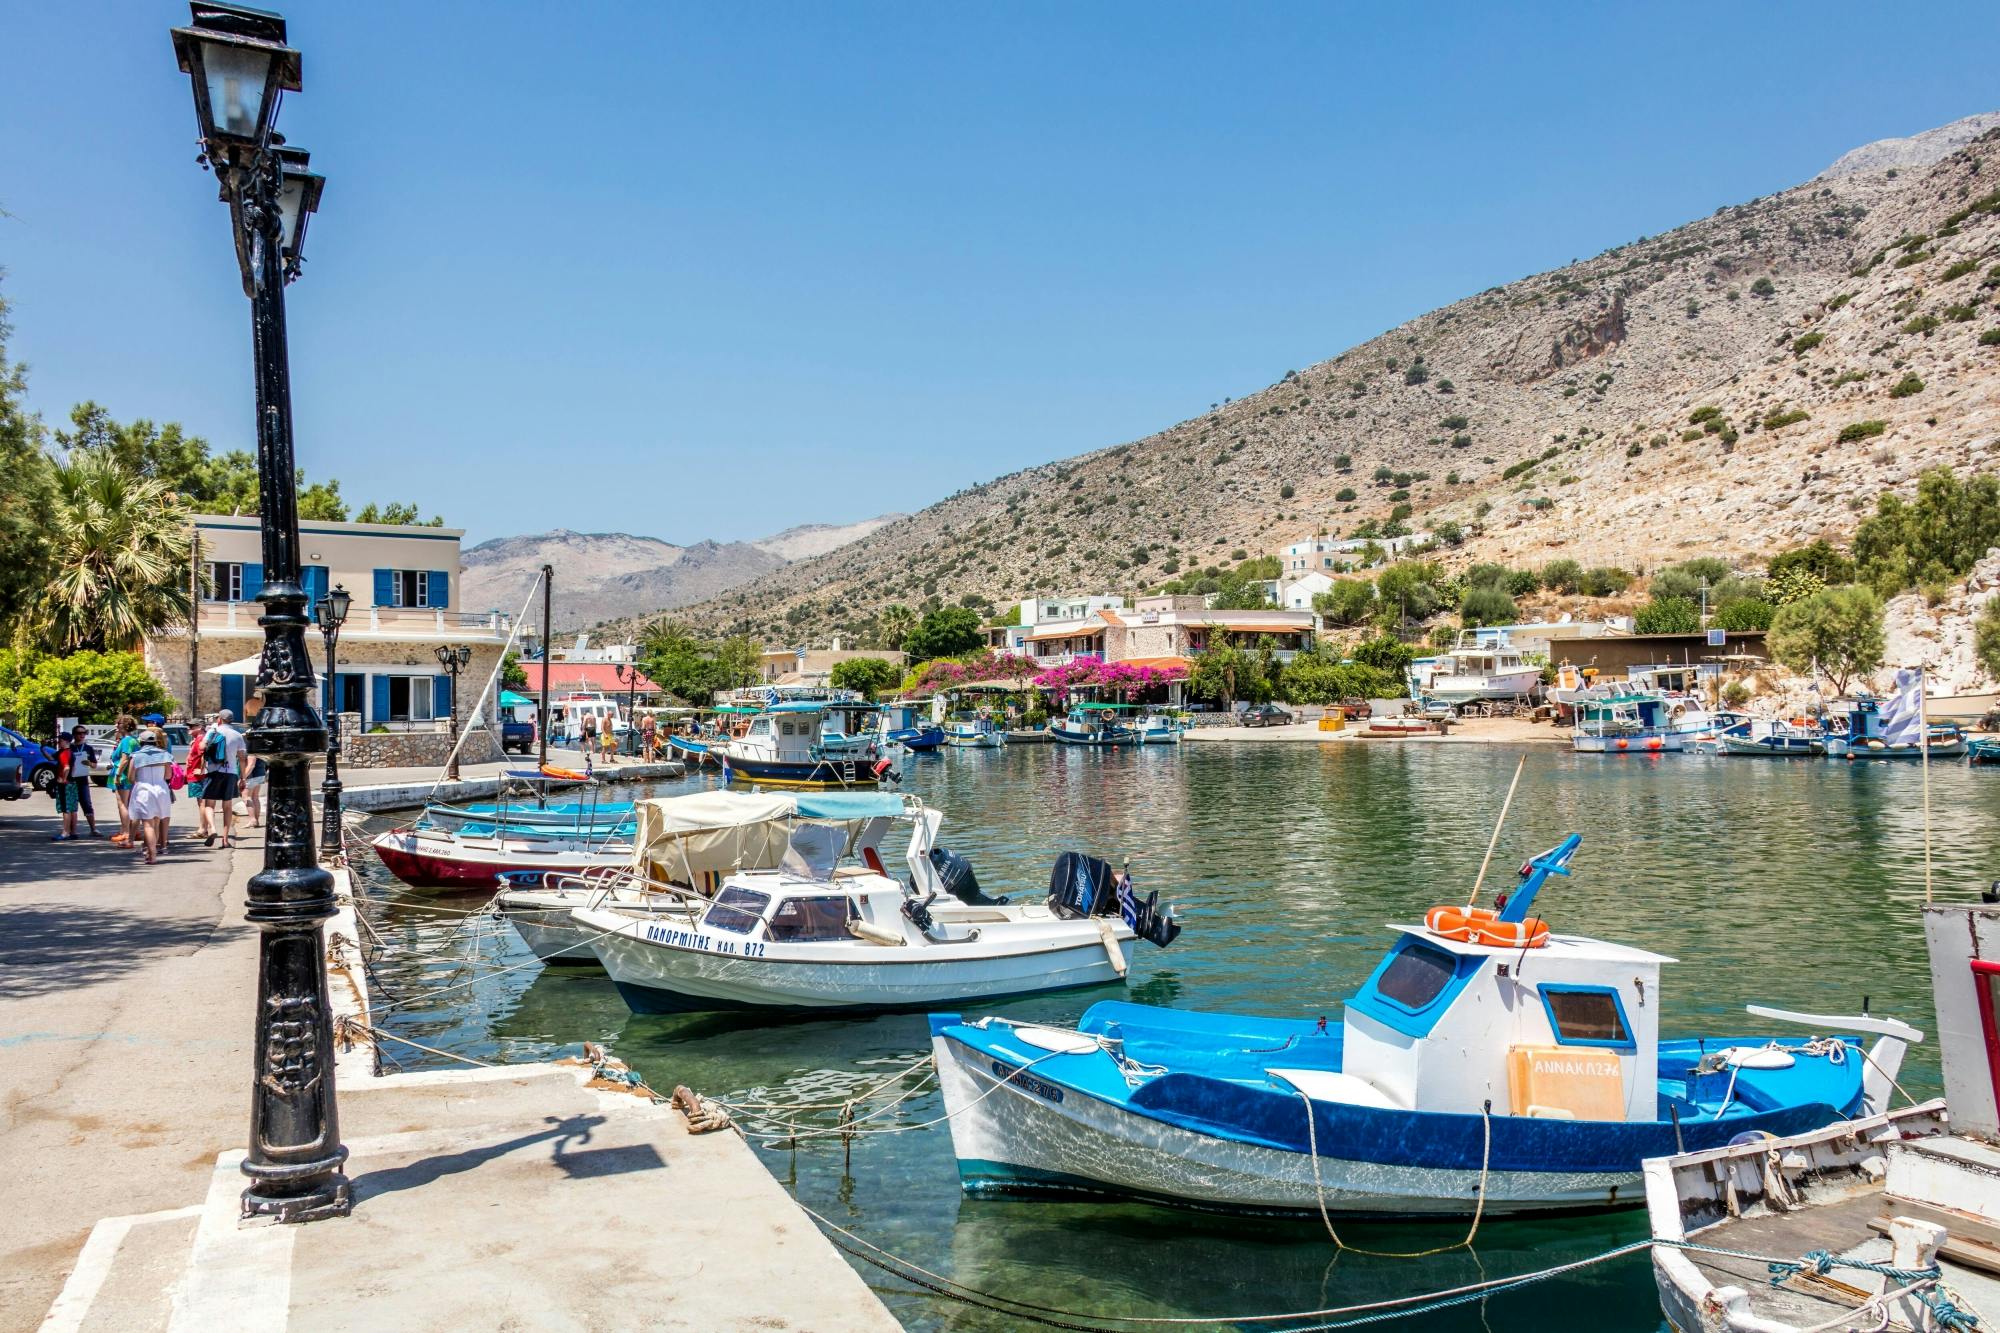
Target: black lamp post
x,y
453,660
331,613
239,65
630,676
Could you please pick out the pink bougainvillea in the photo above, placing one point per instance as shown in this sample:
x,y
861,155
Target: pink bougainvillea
x,y
1121,678
985,665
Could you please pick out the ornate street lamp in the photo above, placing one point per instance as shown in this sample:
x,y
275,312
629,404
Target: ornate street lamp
x,y
239,64
453,660
331,613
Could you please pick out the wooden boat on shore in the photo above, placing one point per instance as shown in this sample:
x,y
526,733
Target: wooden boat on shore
x,y
1487,1065
1396,726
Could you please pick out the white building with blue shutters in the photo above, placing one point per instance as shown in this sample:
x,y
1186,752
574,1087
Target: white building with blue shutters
x,y
404,581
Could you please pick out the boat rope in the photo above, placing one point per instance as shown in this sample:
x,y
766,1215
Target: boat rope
x,y
1478,1208
349,1029
479,704
847,1129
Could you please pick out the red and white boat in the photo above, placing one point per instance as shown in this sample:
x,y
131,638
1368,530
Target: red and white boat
x,y
470,857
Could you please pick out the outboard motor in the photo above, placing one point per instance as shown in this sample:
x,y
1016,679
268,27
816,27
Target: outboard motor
x,y
1085,886
954,873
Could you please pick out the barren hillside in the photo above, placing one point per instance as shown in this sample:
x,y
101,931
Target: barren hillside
x,y
1734,386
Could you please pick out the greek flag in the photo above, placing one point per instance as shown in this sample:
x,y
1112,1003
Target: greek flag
x,y
1128,901
1902,713
771,696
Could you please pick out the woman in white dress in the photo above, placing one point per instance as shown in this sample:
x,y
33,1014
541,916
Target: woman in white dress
x,y
152,799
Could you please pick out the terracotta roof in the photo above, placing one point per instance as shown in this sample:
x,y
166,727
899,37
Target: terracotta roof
x,y
1155,662
1251,626
1110,615
1081,632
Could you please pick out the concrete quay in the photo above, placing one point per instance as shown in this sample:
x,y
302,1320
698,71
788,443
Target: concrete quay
x,y
529,1196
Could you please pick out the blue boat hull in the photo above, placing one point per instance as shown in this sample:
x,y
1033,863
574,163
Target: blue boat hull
x,y
815,773
918,739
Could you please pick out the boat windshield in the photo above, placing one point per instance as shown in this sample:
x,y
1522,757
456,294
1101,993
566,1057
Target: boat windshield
x,y
805,920
1415,976
737,910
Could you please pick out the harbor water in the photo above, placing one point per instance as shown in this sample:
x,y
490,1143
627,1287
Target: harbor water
x,y
1794,883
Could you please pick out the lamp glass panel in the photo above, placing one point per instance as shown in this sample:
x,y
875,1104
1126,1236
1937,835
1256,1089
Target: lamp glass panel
x,y
290,198
238,77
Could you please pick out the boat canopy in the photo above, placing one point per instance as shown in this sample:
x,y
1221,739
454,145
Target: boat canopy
x,y
697,838
1103,708
735,708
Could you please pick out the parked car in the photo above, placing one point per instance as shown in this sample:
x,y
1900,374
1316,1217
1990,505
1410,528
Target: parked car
x,y
38,762
1264,715
11,786
516,735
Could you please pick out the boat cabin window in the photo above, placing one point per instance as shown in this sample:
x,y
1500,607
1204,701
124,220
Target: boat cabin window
x,y
1586,1015
804,920
737,910
1417,975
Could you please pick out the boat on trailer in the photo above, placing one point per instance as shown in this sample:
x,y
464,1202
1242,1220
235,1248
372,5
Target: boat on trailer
x,y
1488,1064
1481,665
809,919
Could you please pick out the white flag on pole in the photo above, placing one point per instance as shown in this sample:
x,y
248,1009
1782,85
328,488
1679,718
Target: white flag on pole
x,y
1903,712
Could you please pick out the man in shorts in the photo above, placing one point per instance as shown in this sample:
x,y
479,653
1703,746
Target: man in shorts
x,y
223,753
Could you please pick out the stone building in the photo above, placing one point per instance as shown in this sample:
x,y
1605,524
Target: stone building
x,y
404,581
1169,630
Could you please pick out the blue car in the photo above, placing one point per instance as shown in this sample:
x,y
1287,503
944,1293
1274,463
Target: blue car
x,y
38,762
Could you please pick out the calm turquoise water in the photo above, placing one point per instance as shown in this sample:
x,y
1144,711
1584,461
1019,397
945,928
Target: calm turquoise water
x,y
1793,883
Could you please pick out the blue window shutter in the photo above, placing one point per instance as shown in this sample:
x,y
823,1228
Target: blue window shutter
x,y
385,588
315,584
440,696
378,701
253,582
440,588
232,695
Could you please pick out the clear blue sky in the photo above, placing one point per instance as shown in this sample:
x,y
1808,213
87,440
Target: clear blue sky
x,y
712,271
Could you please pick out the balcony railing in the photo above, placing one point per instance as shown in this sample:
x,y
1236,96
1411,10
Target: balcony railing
x,y
416,621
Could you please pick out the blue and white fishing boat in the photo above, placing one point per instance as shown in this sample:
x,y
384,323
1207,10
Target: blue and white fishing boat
x,y
1094,724
826,742
1626,723
1156,727
908,723
1486,1064
977,733
1983,750
1858,733
1775,739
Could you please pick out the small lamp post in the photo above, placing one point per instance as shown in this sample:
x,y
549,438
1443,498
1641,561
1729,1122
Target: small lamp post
x,y
239,65
629,676
331,613
453,660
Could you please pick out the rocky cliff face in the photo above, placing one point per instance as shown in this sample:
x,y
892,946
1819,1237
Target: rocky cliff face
x,y
1735,386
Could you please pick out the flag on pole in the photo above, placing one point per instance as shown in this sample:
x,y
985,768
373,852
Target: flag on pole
x,y
1902,713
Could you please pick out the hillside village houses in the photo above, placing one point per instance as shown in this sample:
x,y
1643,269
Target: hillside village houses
x,y
1326,554
404,580
1159,631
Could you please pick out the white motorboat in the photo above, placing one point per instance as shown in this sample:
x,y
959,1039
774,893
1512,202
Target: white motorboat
x,y
1482,666
808,918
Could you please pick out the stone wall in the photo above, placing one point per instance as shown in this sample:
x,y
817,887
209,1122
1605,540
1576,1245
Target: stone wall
x,y
409,749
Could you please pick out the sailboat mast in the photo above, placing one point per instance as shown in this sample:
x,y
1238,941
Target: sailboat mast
x,y
542,730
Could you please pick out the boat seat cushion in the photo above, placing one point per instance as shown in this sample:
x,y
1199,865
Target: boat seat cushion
x,y
1325,1085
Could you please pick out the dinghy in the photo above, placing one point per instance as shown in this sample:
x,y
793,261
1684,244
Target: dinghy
x,y
1488,1064
809,919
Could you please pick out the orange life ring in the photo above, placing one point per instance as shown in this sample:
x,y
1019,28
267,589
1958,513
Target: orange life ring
x,y
1481,925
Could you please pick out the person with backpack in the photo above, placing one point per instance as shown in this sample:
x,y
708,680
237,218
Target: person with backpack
x,y
222,754
196,769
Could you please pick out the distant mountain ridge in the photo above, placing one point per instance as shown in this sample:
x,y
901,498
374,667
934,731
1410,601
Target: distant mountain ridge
x,y
1743,383
602,576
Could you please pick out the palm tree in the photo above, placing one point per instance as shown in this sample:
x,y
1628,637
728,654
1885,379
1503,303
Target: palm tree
x,y
118,552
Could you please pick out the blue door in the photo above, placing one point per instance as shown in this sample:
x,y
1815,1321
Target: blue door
x,y
232,695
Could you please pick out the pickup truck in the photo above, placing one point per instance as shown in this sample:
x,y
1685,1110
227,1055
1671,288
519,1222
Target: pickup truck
x,y
517,736
37,761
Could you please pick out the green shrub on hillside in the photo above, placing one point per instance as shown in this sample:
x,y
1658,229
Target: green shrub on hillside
x,y
1562,575
1906,386
1779,420
1990,338
1923,324
1604,581
1861,430
1485,606
1762,287
1959,270
1805,342
1667,615
1934,538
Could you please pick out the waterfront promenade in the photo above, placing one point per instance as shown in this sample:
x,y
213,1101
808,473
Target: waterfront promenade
x,y
527,1195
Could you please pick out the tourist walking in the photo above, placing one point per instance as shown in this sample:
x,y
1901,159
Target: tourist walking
x,y
609,741
151,803
197,770
586,734
649,737
126,732
222,757
254,782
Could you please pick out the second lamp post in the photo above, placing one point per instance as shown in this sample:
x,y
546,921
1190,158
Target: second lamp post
x,y
453,660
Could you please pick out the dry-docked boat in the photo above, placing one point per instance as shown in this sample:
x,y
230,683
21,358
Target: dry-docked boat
x,y
1486,1064
807,916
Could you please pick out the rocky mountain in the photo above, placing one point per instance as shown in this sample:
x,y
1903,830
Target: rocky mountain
x,y
602,575
1919,150
1735,386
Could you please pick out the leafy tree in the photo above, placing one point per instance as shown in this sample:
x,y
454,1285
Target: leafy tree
x,y
1227,673
1604,581
1840,629
25,467
1385,653
321,501
1411,588
1483,604
395,513
1743,613
118,554
1671,614
1347,603
944,632
1819,559
695,669
1933,539
1564,576
1486,575
1986,638
870,675
88,685
1448,532
512,677
1314,678
1523,582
